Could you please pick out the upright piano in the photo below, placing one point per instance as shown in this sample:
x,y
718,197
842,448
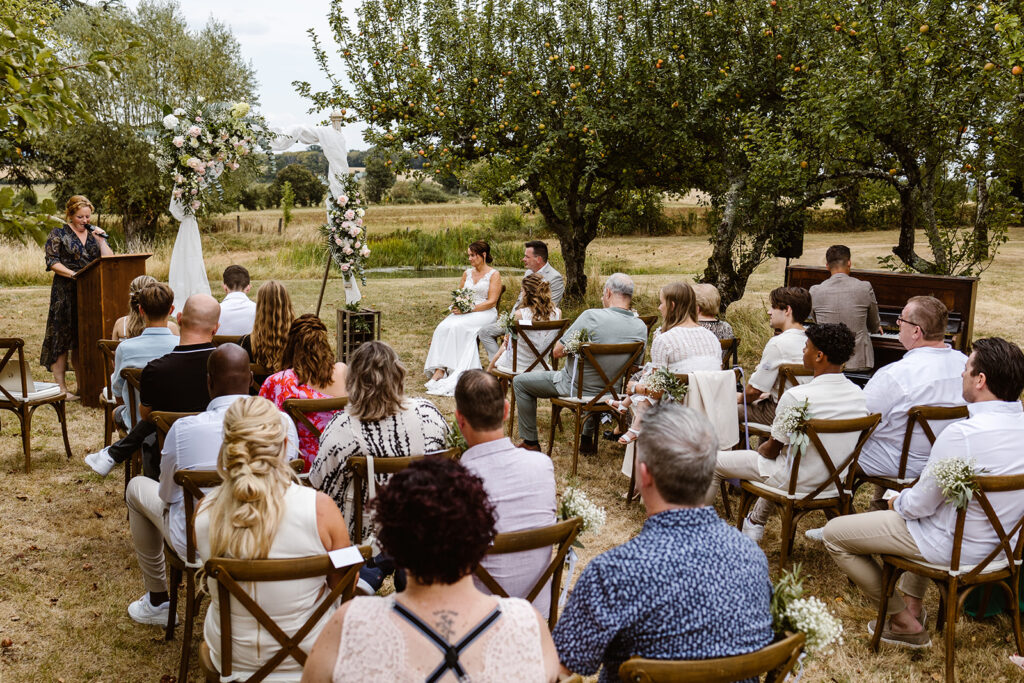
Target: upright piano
x,y
892,291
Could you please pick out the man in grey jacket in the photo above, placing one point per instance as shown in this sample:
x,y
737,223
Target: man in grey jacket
x,y
847,300
535,259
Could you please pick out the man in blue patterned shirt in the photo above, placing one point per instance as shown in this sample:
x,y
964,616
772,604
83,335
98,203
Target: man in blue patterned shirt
x,y
689,586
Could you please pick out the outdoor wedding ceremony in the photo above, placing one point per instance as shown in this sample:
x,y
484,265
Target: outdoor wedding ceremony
x,y
417,340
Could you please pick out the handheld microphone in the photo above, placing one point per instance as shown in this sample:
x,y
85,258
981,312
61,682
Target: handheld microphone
x,y
93,229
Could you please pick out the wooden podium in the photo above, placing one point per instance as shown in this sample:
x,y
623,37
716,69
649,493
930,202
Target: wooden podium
x,y
102,299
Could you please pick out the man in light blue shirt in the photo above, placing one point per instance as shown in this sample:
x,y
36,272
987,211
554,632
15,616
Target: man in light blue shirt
x,y
156,302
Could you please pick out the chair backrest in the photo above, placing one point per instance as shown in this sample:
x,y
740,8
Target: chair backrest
x,y
258,370
730,352
840,472
297,409
923,416
649,320
561,534
541,355
789,374
776,660
230,574
133,377
219,339
1011,539
108,348
163,419
13,376
588,355
501,295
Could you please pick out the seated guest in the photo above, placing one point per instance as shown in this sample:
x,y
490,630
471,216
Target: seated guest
x,y
535,258
708,303
237,311
790,306
920,521
847,300
536,305
261,512
830,396
680,346
379,421
174,382
270,329
615,323
311,373
157,510
155,302
435,519
131,325
689,586
520,483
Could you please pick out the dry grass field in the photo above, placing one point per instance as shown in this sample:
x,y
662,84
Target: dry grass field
x,y
67,569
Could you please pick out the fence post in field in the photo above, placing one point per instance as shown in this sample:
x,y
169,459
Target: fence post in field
x,y
238,223
279,222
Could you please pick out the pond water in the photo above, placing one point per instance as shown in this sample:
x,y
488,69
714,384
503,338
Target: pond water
x,y
427,271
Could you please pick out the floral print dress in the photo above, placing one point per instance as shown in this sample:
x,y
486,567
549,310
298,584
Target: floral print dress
x,y
284,385
64,247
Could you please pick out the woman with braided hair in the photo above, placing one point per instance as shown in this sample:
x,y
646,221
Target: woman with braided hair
x,y
260,511
132,325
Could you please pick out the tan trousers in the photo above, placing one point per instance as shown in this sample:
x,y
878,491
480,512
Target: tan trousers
x,y
146,520
741,465
853,539
762,411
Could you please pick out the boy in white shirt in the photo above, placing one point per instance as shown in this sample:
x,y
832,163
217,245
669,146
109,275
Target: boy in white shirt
x,y
237,311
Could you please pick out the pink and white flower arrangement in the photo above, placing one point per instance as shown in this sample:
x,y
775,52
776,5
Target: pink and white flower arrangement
x,y
346,241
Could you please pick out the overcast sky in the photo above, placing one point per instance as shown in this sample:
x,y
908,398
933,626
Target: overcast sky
x,y
273,38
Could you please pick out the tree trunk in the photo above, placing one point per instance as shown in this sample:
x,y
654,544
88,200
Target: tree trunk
x,y
574,253
981,212
853,207
720,270
931,227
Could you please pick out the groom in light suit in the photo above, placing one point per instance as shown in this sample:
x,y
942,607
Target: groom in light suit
x,y
535,259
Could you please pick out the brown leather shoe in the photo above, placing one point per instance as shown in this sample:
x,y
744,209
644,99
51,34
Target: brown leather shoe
x,y
528,446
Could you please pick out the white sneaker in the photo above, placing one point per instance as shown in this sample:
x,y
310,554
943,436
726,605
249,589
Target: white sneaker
x,y
755,532
100,462
143,611
816,534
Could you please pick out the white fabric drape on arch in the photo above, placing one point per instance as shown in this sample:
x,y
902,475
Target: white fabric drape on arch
x,y
187,271
332,142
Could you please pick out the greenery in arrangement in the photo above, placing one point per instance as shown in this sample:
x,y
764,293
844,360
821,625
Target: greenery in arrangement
x,y
956,478
507,322
792,612
793,422
577,339
462,300
454,437
666,385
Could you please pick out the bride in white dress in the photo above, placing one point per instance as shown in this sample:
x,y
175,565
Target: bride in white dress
x,y
453,348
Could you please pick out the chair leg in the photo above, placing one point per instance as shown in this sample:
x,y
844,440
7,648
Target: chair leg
x,y
512,417
61,409
888,580
108,426
788,534
174,582
191,608
950,631
1015,612
25,417
577,432
746,500
724,488
555,411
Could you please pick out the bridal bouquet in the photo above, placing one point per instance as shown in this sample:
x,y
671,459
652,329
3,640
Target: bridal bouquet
x,y
955,476
197,142
462,300
663,382
574,341
345,232
794,423
792,612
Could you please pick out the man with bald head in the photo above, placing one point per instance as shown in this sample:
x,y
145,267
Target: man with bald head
x,y
156,510
174,382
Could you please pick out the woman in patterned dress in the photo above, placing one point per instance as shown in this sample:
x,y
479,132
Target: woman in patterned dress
x,y
311,373
69,248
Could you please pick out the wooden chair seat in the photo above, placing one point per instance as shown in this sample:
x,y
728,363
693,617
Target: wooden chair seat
x,y
22,399
775,660
299,408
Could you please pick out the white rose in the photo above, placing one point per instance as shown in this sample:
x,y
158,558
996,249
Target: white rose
x,y
194,131
179,112
178,141
195,205
360,212
364,252
200,99
170,121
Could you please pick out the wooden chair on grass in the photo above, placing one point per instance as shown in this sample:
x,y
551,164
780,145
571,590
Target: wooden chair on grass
x,y
795,506
108,347
561,534
586,406
21,396
775,660
918,415
730,353
133,378
232,575
789,374
219,339
957,580
522,335
299,408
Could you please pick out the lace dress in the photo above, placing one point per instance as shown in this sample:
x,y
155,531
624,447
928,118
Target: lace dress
x,y
454,346
378,645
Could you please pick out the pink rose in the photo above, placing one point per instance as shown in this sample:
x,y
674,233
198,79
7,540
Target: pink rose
x,y
343,200
178,141
194,191
350,214
344,267
364,252
347,251
194,131
359,222
337,240
177,194
357,245
195,204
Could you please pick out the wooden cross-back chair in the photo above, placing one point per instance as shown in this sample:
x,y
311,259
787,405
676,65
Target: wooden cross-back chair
x,y
775,660
219,339
921,416
108,401
956,580
257,370
789,374
795,505
299,408
24,400
541,356
730,352
230,575
133,378
357,465
584,406
561,534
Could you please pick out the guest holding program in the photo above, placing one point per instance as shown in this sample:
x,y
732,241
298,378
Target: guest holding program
x,y
69,248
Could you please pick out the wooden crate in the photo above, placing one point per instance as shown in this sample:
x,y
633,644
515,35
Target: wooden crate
x,y
355,328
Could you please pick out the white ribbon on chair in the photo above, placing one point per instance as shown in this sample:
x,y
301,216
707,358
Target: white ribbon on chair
x,y
570,566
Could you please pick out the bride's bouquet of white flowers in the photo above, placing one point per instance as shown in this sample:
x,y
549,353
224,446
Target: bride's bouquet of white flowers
x,y
462,300
955,477
574,341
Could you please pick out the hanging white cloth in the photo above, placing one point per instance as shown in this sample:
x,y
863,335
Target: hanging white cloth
x,y
187,271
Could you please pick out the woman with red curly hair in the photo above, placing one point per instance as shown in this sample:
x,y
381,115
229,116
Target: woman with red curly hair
x,y
436,521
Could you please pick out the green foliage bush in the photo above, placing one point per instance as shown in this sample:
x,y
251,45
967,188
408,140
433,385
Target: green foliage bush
x,y
425,192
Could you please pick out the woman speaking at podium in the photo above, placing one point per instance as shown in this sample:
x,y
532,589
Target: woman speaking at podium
x,y
69,248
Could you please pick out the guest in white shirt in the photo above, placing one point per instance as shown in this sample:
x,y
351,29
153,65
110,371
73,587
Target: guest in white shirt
x,y
237,310
790,307
520,483
830,396
928,374
920,522
156,510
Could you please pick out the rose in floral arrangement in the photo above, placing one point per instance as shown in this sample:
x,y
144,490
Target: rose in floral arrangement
x,y
170,122
346,240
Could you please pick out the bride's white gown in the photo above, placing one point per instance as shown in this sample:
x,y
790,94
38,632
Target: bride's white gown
x,y
454,345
